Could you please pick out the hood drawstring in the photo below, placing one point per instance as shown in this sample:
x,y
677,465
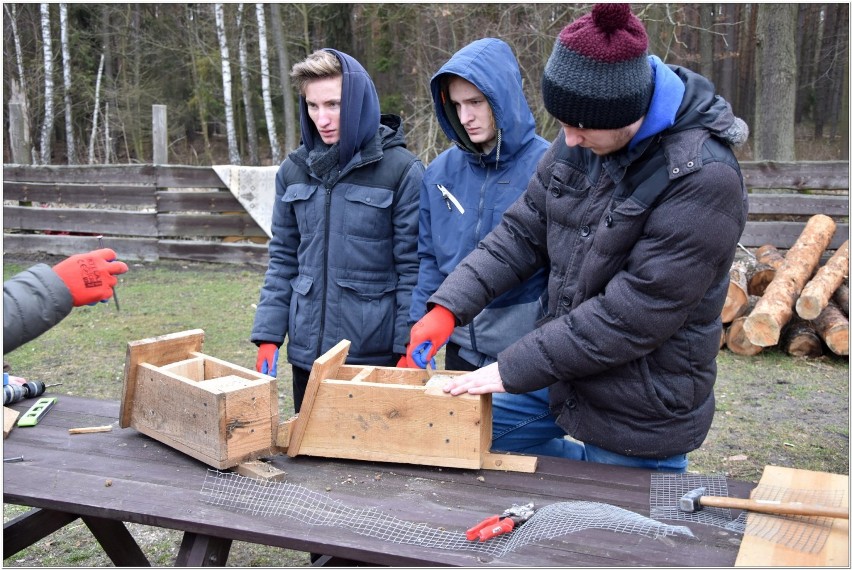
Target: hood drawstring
x,y
499,141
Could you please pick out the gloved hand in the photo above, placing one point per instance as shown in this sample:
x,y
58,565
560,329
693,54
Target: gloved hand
x,y
90,276
428,335
267,359
403,361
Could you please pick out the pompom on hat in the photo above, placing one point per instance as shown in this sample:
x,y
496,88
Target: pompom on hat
x,y
598,76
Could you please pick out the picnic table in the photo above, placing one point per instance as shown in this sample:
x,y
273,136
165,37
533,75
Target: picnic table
x,y
109,478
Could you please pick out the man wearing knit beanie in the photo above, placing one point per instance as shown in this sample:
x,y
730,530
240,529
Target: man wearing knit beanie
x,y
636,210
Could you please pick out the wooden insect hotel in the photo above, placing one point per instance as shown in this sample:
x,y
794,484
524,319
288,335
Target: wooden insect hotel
x,y
214,411
369,413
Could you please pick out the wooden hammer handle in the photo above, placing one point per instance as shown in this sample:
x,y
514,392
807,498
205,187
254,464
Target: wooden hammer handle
x,y
775,507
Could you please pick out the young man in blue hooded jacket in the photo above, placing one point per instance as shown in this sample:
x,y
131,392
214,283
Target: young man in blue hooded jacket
x,y
480,105
343,253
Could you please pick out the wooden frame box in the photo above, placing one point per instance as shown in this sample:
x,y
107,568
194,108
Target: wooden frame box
x,y
214,411
398,415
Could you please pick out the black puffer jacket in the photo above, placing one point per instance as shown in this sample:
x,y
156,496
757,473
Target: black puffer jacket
x,y
638,278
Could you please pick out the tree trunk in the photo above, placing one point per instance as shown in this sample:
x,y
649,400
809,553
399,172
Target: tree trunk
x,y
841,297
233,149
799,338
251,127
833,327
775,108
735,339
93,137
770,255
705,40
736,301
267,95
70,146
47,49
818,291
775,307
290,117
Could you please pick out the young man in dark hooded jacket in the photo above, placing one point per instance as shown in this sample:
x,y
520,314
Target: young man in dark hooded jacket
x,y
636,209
343,254
480,105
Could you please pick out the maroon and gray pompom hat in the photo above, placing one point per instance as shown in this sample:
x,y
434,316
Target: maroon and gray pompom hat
x,y
598,76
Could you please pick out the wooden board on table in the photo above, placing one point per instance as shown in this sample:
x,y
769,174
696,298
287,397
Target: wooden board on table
x,y
10,416
758,551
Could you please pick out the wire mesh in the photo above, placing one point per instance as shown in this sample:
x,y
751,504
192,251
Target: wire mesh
x,y
261,498
805,534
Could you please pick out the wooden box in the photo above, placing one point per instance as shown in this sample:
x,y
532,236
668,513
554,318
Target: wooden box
x,y
388,414
214,411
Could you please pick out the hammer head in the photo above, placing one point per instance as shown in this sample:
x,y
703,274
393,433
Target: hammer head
x,y
691,502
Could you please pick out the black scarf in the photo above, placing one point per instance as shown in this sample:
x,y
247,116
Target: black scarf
x,y
323,163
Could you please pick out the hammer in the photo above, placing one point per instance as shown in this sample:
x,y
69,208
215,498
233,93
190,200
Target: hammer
x,y
695,500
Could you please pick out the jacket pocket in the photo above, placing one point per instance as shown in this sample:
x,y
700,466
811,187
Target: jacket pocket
x,y
368,315
620,227
298,197
301,319
368,212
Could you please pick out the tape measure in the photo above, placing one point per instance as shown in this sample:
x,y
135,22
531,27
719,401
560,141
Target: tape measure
x,y
36,412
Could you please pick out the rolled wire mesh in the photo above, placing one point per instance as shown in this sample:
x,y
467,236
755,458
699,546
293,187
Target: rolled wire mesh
x,y
261,498
805,534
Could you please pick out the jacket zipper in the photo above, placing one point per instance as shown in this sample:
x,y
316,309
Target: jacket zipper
x,y
327,232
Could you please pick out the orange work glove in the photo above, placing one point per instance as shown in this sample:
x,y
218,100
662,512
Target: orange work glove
x,y
90,276
428,335
267,359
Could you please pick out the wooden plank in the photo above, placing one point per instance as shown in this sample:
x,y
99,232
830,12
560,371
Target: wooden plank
x,y
177,176
82,174
81,220
784,234
208,225
758,551
831,174
798,204
198,550
395,423
112,195
215,252
141,249
325,366
28,528
157,351
117,542
217,201
10,416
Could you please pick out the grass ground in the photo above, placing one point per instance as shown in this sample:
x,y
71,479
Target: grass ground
x,y
772,409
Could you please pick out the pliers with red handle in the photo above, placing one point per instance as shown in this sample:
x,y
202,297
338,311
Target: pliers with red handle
x,y
501,524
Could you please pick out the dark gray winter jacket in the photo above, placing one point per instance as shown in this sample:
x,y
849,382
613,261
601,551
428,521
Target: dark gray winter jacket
x,y
343,259
33,302
639,245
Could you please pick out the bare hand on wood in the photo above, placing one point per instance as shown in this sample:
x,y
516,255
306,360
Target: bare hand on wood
x,y
485,380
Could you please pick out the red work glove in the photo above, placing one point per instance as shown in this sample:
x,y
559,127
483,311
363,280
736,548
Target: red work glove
x,y
89,276
428,335
267,359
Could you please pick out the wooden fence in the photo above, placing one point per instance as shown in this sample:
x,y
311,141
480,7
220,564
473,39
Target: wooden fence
x,y
148,212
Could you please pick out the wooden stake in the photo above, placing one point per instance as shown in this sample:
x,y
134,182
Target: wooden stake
x,y
773,311
828,278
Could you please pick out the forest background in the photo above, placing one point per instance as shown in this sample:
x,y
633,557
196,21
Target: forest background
x,y
84,77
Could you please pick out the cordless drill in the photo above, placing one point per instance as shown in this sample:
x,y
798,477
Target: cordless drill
x,y
16,392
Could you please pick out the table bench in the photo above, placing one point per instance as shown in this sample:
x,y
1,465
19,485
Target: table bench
x,y
110,478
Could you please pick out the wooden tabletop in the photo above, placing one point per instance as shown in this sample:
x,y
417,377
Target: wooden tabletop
x,y
122,475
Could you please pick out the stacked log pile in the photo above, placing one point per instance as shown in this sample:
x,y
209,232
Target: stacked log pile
x,y
791,300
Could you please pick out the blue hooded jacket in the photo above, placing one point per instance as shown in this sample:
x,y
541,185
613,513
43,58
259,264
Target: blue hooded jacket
x,y
485,185
343,257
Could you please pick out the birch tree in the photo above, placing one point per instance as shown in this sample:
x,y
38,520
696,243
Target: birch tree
x,y
233,150
97,106
47,50
70,146
19,115
251,128
284,78
264,76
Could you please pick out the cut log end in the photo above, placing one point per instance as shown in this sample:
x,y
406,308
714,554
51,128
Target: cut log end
x,y
762,329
